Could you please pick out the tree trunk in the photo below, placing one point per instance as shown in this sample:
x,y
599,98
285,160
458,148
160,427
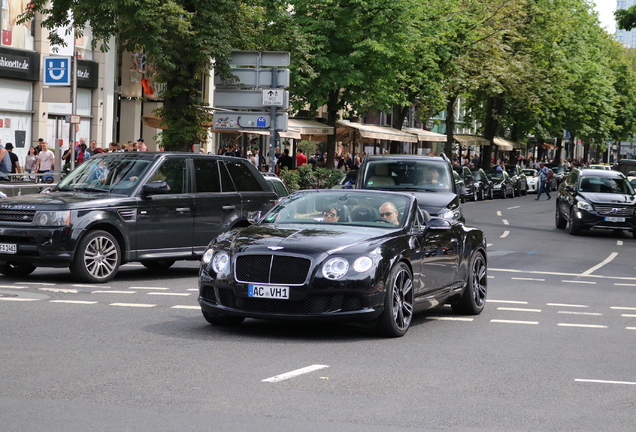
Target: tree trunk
x,y
450,125
559,151
332,116
494,107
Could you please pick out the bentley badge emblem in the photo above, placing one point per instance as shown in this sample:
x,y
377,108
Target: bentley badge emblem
x,y
275,248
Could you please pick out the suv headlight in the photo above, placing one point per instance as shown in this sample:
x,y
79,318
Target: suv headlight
x,y
52,218
451,214
584,206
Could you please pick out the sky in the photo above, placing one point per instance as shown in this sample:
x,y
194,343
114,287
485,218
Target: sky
x,y
605,9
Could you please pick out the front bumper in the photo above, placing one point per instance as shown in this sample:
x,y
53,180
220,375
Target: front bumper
x,y
337,301
592,220
49,247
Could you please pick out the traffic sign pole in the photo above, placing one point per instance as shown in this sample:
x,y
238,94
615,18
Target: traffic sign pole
x,y
272,130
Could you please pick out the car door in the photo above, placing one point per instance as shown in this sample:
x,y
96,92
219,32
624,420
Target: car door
x,y
165,220
440,252
217,203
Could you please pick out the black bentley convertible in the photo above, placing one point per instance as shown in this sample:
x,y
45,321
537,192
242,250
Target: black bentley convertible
x,y
344,255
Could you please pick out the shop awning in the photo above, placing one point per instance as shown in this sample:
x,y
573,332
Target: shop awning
x,y
289,133
309,127
424,135
376,132
548,146
504,144
471,140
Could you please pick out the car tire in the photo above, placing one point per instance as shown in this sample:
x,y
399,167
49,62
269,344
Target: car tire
x,y
398,303
517,192
97,257
573,228
474,196
525,191
158,264
492,194
223,320
559,220
481,196
473,299
17,269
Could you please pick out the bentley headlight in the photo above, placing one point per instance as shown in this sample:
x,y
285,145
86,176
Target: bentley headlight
x,y
207,256
52,218
335,268
584,206
362,264
220,261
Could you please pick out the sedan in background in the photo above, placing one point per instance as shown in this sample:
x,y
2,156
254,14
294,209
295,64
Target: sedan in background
x,y
344,255
502,185
518,179
532,178
483,184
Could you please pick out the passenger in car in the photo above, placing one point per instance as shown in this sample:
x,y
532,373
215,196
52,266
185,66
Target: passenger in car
x,y
333,213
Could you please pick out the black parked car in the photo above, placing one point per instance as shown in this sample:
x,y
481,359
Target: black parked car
x,y
469,191
483,184
591,199
502,185
344,255
137,206
518,178
429,178
560,173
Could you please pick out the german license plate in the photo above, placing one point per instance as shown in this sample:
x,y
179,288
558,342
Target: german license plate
x,y
268,291
8,248
614,219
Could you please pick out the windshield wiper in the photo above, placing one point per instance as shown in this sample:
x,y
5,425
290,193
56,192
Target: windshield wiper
x,y
92,189
417,189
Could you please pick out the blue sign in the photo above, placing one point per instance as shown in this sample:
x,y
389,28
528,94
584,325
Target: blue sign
x,y
57,71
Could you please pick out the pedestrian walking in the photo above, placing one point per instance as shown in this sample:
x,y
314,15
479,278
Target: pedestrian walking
x,y
543,179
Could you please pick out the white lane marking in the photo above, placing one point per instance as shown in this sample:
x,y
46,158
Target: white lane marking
x,y
620,284
149,288
530,279
581,325
73,301
566,305
622,308
619,242
518,309
90,286
505,234
140,305
34,283
505,221
17,299
185,307
605,382
12,287
169,294
294,373
112,292
507,301
490,277
580,282
59,290
601,264
580,313
498,212
192,289
489,244
541,272
449,318
630,328
514,322
511,208
628,315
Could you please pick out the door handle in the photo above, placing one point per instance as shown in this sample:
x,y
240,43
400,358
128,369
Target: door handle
x,y
230,207
183,209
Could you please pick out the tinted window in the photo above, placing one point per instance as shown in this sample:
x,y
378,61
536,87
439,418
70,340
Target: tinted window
x,y
243,178
173,172
207,175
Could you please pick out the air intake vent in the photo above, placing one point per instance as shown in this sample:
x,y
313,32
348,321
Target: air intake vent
x,y
129,215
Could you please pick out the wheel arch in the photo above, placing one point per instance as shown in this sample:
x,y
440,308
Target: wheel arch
x,y
112,230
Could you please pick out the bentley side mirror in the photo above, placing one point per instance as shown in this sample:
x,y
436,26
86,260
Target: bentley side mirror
x,y
438,224
254,217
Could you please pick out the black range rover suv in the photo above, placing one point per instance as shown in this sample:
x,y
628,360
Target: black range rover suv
x,y
154,208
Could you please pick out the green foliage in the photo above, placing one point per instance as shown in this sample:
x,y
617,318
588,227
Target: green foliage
x,y
308,147
307,178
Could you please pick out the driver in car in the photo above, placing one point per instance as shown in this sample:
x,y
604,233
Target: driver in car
x,y
389,213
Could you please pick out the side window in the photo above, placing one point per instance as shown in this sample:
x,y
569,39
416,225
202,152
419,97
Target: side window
x,y
242,176
173,172
206,172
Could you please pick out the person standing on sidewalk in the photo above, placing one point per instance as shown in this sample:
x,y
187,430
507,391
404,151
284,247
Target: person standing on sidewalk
x,y
543,178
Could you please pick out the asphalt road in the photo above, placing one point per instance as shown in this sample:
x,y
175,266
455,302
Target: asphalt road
x,y
552,351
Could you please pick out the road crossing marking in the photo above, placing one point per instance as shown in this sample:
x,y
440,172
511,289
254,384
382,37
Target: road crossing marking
x,y
73,301
505,234
449,318
90,286
512,208
630,328
12,287
34,283
507,301
17,299
601,264
139,305
169,294
628,315
566,305
580,313
294,373
514,322
621,284
60,290
148,288
528,279
505,221
581,282
185,307
605,382
498,212
518,309
622,308
581,325
543,273
619,242
112,292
